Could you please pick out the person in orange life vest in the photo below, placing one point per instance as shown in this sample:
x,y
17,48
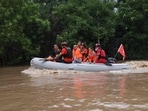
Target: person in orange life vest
x,y
101,55
84,52
65,53
91,55
77,56
56,51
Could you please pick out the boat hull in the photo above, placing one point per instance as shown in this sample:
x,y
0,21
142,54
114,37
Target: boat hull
x,y
40,63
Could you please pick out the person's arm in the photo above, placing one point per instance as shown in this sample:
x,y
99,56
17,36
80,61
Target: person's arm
x,y
97,56
63,51
95,60
59,55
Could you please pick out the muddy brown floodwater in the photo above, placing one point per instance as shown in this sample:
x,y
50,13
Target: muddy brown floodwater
x,y
72,91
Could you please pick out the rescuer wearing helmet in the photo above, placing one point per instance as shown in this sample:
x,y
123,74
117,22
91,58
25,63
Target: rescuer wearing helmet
x,y
101,55
66,53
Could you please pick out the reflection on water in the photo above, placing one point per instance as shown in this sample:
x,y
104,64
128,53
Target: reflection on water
x,y
122,86
50,90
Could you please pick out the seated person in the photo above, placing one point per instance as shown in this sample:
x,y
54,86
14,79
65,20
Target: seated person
x,y
101,55
65,53
91,55
56,51
84,52
77,56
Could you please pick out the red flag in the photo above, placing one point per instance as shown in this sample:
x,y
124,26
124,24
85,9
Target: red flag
x,y
121,51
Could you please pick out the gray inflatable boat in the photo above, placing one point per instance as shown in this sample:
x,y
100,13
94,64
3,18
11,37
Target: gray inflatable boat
x,y
40,63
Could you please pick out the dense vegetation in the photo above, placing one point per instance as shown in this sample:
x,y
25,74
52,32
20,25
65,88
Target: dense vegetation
x,y
30,27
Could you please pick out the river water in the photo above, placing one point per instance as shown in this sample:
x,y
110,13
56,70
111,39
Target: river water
x,y
25,88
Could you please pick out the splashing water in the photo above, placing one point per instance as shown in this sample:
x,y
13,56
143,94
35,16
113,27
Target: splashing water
x,y
136,67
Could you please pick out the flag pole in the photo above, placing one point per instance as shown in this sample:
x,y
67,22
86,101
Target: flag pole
x,y
116,54
117,51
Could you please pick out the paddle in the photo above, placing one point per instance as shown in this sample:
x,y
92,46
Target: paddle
x,y
108,64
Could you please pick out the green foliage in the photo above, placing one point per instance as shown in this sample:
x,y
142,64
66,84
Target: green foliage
x,y
85,20
21,29
31,27
133,20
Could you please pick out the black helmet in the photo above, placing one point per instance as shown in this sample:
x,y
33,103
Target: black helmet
x,y
64,43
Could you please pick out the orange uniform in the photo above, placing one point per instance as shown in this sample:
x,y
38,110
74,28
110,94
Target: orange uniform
x,y
77,56
91,56
76,53
67,56
84,53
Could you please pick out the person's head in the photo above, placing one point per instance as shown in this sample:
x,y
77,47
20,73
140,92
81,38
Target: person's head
x,y
75,47
56,47
97,46
83,45
90,49
64,44
79,43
